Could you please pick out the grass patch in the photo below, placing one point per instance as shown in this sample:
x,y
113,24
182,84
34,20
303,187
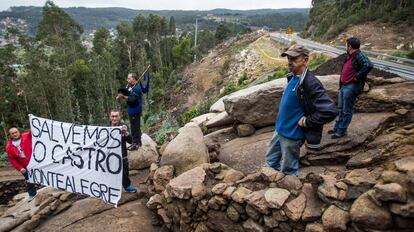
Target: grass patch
x,y
239,47
403,54
315,62
168,126
279,73
200,109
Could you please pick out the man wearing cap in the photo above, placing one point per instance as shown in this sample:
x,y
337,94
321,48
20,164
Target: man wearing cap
x,y
303,110
351,83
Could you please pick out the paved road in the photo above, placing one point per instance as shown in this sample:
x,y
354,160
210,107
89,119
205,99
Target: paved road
x,y
404,71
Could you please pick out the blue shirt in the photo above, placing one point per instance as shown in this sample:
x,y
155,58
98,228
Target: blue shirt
x,y
290,111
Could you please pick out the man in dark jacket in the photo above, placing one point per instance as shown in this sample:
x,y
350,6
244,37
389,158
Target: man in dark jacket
x,y
352,80
134,104
303,110
115,120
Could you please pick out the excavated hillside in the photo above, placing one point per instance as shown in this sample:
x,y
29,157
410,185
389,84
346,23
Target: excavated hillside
x,y
254,53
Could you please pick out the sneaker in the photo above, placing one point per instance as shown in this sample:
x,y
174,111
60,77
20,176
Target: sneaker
x,y
337,136
131,189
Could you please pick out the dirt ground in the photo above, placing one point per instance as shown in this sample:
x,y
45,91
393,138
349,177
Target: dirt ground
x,y
254,53
381,37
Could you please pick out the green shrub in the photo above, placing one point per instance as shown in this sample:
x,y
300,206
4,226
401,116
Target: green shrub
x,y
168,126
229,88
200,109
3,160
315,62
279,73
410,54
243,78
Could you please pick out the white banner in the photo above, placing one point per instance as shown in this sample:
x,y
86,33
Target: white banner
x,y
77,158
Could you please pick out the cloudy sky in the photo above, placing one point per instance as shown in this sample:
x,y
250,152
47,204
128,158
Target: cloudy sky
x,y
166,4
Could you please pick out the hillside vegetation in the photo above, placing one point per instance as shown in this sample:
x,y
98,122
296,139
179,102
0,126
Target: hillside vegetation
x,y
328,18
93,18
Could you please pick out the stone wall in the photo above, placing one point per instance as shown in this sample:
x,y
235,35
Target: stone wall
x,y
215,197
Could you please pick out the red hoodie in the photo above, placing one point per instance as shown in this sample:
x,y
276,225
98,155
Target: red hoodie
x,y
13,153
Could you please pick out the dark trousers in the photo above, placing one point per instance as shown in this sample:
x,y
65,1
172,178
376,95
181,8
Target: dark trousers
x,y
126,182
135,120
30,187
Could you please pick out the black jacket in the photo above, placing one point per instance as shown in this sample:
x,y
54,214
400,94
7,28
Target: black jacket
x,y
319,108
124,140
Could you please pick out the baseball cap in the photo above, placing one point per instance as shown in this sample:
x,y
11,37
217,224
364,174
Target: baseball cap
x,y
296,50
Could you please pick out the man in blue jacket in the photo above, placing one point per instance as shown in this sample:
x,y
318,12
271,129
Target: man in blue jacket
x,y
351,83
303,110
134,104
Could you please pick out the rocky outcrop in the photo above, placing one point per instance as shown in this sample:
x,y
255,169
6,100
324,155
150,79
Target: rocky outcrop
x,y
221,119
246,154
187,150
200,120
218,106
145,155
256,105
268,200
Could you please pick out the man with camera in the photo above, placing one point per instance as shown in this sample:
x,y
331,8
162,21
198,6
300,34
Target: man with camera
x,y
134,104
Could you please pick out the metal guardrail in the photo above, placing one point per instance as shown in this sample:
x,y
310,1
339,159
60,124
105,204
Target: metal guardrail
x,y
396,58
404,71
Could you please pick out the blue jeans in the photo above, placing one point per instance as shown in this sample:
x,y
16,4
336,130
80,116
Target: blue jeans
x,y
283,154
346,100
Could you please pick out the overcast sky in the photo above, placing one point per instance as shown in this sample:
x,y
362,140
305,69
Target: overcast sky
x,y
166,4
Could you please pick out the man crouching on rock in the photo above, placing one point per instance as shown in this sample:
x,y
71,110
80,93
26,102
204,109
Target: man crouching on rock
x,y
303,110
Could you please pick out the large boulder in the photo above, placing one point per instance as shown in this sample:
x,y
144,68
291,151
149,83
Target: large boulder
x,y
258,105
386,97
220,137
368,215
405,164
84,214
220,119
218,106
246,154
203,118
335,219
182,186
187,150
145,155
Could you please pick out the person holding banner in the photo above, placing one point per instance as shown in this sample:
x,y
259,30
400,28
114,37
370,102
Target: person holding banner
x,y
134,104
115,120
19,152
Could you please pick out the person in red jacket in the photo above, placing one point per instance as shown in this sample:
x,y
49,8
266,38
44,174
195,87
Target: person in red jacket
x,y
19,152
